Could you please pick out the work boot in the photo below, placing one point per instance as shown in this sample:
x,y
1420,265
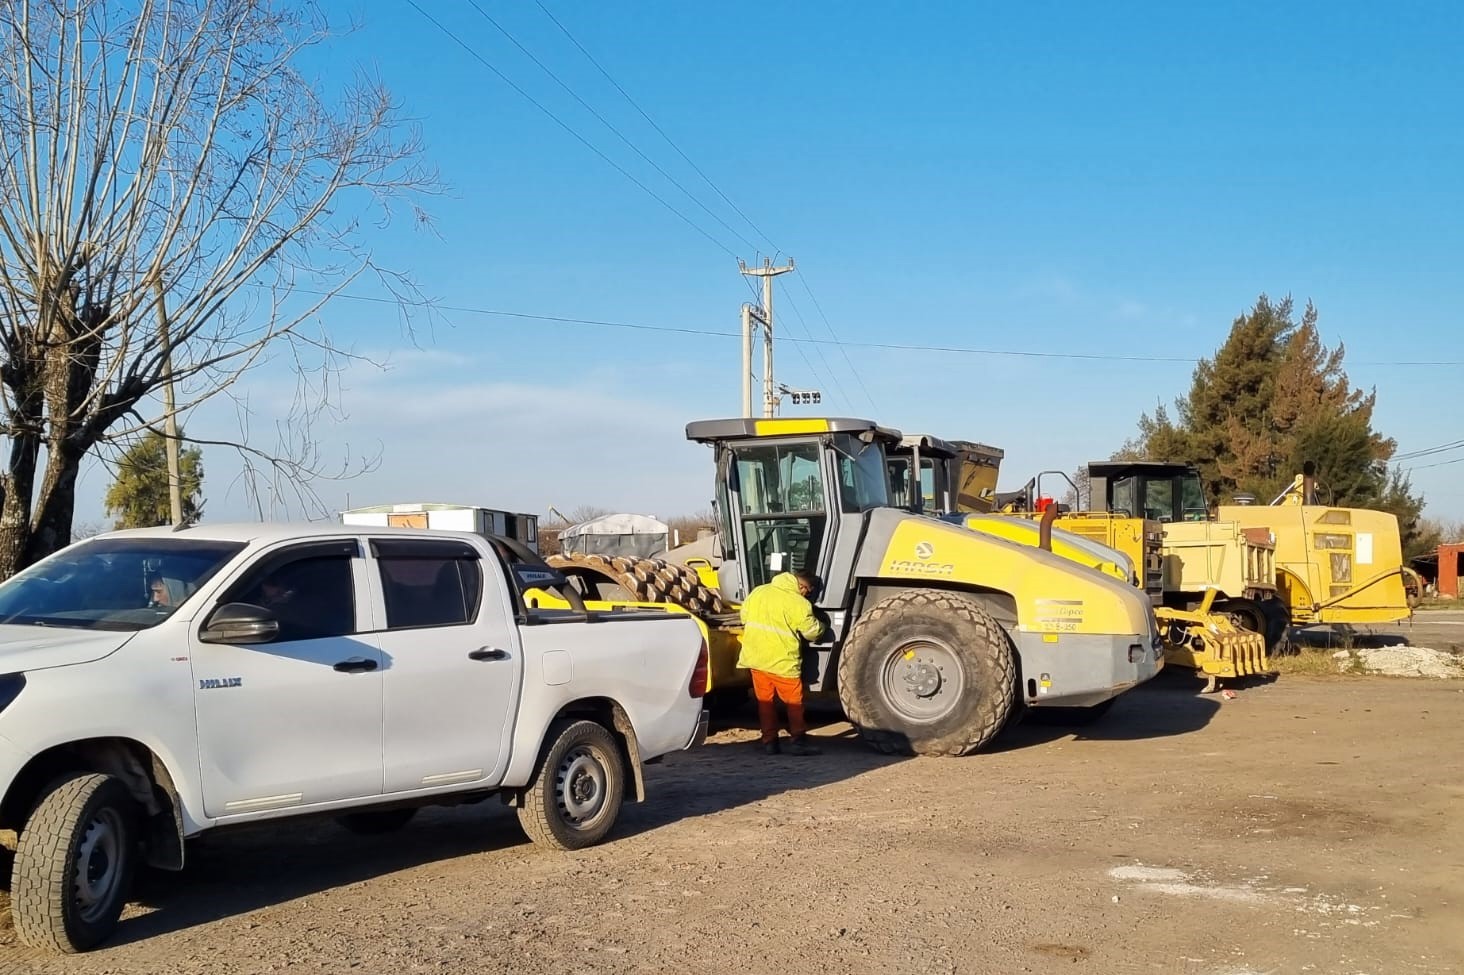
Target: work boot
x,y
802,746
770,748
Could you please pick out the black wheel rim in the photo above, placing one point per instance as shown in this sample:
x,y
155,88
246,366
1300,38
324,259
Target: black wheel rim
x,y
922,681
581,787
98,871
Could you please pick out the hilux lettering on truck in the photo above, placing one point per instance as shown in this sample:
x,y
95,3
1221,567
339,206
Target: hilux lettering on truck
x,y
410,667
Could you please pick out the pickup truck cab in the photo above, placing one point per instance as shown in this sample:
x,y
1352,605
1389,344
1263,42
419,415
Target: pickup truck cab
x,y
156,684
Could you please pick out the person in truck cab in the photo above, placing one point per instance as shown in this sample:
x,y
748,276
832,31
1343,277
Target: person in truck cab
x,y
774,618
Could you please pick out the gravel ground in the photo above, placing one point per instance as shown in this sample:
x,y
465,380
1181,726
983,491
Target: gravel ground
x,y
1308,825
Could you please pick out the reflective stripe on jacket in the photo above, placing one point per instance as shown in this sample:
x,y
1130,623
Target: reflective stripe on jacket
x,y
774,616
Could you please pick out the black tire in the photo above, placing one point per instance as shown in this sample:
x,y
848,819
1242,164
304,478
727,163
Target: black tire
x,y
927,672
1071,717
1278,627
376,822
576,793
1265,616
74,864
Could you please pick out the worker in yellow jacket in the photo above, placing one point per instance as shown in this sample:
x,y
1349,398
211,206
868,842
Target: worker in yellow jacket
x,y
774,617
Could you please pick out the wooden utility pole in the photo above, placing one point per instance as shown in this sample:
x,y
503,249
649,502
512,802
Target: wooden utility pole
x,y
170,420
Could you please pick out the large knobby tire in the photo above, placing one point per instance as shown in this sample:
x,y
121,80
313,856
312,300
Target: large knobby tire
x,y
650,581
576,793
74,864
927,672
377,822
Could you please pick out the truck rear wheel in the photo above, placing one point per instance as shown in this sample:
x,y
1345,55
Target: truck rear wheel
x,y
74,864
575,796
927,672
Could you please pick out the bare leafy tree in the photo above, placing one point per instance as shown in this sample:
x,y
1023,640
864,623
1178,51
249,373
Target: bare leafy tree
x,y
176,197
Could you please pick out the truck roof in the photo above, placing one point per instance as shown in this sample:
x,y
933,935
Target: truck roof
x,y
266,531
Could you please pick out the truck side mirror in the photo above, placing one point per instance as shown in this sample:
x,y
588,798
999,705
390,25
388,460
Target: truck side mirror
x,y
237,623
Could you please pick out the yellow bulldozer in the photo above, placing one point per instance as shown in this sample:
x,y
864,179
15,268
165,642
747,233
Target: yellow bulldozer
x,y
936,636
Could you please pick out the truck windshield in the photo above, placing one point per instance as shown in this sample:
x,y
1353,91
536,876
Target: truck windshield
x,y
112,583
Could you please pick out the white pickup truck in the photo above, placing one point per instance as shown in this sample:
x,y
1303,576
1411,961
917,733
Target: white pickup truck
x,y
156,684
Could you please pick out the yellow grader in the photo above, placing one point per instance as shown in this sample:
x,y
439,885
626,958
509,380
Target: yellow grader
x,y
936,635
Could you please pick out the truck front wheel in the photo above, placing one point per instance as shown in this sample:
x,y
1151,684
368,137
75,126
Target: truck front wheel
x,y
74,864
575,797
927,672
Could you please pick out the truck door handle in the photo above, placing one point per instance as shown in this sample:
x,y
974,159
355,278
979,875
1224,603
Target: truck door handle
x,y
355,665
488,653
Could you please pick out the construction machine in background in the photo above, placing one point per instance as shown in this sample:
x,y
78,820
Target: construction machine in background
x,y
928,474
1326,564
1213,583
1226,575
1197,633
923,473
936,635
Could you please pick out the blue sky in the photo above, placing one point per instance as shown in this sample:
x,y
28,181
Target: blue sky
x,y
1059,177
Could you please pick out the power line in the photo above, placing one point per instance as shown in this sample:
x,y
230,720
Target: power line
x,y
652,122
716,189
1441,448
1442,463
661,132
717,333
566,127
608,124
833,378
803,279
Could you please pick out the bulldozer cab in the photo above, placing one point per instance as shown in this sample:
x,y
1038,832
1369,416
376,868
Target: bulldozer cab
x,y
1155,490
792,495
922,474
929,475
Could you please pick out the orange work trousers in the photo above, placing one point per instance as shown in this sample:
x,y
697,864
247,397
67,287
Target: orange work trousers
x,y
789,690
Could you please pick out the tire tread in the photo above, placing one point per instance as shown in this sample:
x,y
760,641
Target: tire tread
x,y
39,894
862,711
536,815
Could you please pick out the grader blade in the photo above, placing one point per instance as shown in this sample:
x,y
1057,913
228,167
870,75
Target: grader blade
x,y
1211,644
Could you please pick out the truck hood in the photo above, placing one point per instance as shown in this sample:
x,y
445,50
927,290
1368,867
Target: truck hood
x,y
24,648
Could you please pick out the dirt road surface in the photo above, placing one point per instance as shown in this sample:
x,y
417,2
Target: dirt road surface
x,y
1310,825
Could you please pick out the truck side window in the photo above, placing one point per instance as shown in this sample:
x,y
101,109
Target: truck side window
x,y
313,597
430,584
